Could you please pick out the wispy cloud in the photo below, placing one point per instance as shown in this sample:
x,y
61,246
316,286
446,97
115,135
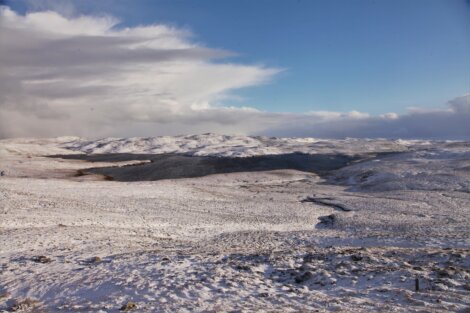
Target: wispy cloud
x,y
85,75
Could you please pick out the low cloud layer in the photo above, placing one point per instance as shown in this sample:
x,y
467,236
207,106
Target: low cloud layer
x,y
86,76
451,122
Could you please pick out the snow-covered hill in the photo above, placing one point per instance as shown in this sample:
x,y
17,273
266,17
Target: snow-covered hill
x,y
236,146
353,239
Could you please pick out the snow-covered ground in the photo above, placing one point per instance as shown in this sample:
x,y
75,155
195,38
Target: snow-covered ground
x,y
356,239
234,146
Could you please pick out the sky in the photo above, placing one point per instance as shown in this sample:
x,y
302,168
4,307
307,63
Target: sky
x,y
350,68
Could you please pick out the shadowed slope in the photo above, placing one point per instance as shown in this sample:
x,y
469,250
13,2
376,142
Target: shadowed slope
x,y
169,166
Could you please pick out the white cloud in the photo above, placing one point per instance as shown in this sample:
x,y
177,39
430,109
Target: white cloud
x,y
83,75
451,122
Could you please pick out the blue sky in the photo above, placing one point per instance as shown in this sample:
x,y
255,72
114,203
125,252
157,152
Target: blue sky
x,y
330,69
373,56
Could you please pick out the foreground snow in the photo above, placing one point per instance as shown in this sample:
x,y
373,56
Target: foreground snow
x,y
240,241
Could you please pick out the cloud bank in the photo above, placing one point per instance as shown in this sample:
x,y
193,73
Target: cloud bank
x,y
451,122
86,76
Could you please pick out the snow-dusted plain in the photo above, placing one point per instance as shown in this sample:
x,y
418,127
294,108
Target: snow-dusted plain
x,y
356,239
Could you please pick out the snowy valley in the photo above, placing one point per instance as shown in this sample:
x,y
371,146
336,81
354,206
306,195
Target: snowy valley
x,y
212,223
